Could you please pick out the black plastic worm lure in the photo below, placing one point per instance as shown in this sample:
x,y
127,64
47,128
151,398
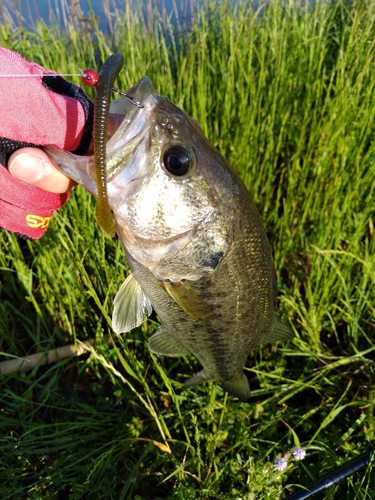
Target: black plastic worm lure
x,y
107,75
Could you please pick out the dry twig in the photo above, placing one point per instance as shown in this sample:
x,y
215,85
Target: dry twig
x,y
42,358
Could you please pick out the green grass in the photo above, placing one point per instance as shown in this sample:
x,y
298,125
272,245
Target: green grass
x,y
287,95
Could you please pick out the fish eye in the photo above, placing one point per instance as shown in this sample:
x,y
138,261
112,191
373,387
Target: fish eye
x,y
177,161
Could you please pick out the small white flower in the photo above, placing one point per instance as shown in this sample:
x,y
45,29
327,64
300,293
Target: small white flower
x,y
298,453
280,463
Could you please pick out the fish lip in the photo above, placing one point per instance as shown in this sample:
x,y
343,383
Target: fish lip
x,y
134,126
140,91
133,99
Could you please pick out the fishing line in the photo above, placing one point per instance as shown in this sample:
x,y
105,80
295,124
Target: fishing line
x,y
89,76
41,75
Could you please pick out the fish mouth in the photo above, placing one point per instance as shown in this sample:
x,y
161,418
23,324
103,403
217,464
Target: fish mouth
x,y
135,96
137,106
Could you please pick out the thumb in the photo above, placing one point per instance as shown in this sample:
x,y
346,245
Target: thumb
x,y
33,166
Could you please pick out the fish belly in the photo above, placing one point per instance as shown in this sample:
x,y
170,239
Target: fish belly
x,y
240,295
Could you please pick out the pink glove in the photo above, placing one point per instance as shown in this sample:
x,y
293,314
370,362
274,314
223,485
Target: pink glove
x,y
38,111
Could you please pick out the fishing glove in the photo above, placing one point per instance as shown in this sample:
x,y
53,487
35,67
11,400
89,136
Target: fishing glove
x,y
36,111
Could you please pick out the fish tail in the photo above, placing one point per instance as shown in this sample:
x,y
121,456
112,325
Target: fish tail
x,y
237,386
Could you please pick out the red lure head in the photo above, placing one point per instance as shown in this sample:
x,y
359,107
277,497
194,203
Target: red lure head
x,y
90,77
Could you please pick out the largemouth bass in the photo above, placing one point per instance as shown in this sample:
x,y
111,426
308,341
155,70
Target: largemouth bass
x,y
197,249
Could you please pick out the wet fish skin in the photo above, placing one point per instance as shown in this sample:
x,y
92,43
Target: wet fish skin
x,y
195,243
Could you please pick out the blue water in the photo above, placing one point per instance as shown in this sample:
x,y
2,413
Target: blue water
x,y
51,11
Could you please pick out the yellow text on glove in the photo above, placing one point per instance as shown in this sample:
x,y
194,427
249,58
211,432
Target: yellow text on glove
x,y
37,221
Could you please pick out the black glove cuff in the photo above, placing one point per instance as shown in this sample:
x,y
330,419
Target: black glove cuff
x,y
7,147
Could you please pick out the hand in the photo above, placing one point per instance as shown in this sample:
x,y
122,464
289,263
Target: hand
x,y
33,165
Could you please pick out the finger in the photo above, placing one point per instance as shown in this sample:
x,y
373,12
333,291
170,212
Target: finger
x,y
33,166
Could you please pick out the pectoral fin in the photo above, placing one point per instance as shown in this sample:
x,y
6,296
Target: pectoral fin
x,y
162,342
188,300
131,306
279,332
